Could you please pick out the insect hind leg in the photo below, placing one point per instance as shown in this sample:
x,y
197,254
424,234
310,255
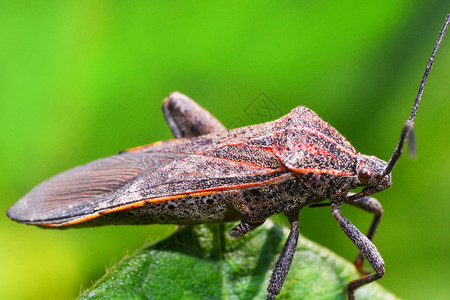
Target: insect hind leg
x,y
188,119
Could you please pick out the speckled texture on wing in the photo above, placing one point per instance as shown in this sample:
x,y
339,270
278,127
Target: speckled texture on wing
x,y
137,175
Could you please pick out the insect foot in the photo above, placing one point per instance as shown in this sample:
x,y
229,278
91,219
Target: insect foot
x,y
242,228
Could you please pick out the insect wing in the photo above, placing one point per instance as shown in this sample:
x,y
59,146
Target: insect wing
x,y
133,178
84,189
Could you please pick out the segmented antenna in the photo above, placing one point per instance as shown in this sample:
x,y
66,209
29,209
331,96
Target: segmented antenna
x,y
410,122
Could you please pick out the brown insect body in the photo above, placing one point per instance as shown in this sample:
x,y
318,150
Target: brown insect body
x,y
251,172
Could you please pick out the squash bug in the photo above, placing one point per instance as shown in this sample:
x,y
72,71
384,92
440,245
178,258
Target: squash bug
x,y
209,174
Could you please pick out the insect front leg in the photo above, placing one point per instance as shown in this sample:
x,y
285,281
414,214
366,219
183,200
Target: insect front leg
x,y
371,205
364,245
284,260
188,119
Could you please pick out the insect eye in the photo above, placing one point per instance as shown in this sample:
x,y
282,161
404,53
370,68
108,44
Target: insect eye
x,y
364,174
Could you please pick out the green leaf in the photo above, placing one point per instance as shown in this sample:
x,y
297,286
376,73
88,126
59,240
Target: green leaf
x,y
201,262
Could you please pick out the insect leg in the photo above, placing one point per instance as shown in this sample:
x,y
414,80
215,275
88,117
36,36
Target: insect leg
x,y
364,245
242,228
188,119
284,260
371,205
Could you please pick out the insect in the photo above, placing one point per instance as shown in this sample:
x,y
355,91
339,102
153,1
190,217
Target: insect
x,y
209,174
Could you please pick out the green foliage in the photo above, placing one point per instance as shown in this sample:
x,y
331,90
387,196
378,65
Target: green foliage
x,y
201,263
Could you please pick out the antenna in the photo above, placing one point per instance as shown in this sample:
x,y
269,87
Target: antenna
x,y
410,122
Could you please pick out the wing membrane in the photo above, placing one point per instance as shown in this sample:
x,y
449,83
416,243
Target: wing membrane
x,y
76,191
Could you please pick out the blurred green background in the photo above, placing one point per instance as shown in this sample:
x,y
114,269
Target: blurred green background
x,y
80,80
